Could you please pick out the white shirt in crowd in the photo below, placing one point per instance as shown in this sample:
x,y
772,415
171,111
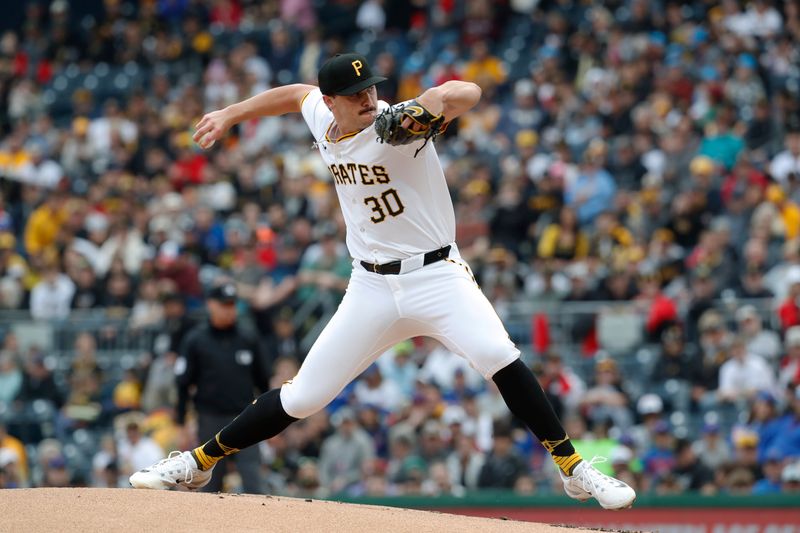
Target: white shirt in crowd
x,y
130,246
754,22
51,299
440,368
101,129
386,396
783,164
750,374
140,455
766,344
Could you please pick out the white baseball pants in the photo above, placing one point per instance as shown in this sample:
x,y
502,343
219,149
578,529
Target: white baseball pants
x,y
440,300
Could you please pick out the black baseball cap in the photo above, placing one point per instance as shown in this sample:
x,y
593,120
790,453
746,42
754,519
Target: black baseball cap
x,y
225,292
346,74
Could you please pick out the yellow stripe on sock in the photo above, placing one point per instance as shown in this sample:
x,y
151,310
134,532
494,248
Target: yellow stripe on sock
x,y
227,450
205,460
551,445
567,463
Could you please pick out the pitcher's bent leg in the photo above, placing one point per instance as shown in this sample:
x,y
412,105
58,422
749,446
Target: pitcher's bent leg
x,y
365,325
357,334
490,350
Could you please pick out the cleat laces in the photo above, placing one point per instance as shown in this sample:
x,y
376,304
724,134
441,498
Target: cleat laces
x,y
591,479
176,459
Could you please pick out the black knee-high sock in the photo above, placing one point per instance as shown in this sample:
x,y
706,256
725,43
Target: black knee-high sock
x,y
525,398
262,419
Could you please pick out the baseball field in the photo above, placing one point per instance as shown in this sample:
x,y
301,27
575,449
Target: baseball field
x,y
105,510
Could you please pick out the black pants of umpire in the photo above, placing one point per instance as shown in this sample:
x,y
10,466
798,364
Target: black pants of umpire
x,y
247,461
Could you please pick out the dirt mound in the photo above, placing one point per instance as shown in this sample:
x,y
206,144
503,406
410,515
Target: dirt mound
x,y
104,510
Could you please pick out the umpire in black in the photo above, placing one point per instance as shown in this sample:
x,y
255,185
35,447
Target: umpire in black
x,y
220,368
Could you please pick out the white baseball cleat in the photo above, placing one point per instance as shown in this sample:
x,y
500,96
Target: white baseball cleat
x,y
588,482
179,468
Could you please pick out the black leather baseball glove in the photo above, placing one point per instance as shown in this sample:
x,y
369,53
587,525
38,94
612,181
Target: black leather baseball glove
x,y
408,122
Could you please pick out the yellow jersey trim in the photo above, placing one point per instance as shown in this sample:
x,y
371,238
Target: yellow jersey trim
x,y
341,137
303,99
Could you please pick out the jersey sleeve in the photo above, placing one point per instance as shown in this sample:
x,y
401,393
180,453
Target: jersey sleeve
x,y
316,113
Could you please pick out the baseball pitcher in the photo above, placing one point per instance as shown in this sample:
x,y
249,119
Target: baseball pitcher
x,y
408,278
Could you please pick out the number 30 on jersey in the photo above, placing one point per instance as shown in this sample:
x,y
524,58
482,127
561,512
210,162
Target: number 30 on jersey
x,y
387,203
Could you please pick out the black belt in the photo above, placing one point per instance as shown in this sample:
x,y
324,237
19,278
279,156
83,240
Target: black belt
x,y
394,266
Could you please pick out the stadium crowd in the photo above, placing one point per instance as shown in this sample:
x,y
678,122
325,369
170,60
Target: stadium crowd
x,y
630,155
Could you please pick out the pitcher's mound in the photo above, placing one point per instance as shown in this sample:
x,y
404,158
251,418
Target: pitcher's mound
x,y
104,510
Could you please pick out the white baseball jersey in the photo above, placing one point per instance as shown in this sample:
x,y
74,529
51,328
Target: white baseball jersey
x,y
395,205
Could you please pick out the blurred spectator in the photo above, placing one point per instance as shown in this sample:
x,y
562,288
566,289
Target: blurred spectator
x,y
712,449
439,482
124,243
13,268
483,68
650,408
431,444
38,383
465,463
12,453
308,481
344,452
52,296
660,458
44,224
441,365
594,189
746,462
371,16
771,482
160,390
660,311
790,365
761,342
135,450
325,268
692,474
606,398
57,474
88,294
790,478
715,340
789,310
147,310
503,464
371,419
398,367
752,283
740,481
721,142
766,421
745,88
10,377
611,239
564,240
677,359
175,325
561,382
786,164
743,374
372,389
787,441
127,394
105,470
